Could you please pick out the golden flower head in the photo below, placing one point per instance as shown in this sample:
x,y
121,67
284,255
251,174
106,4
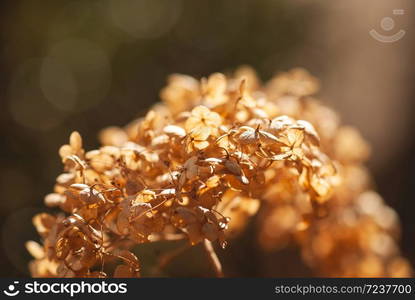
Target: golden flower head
x,y
200,164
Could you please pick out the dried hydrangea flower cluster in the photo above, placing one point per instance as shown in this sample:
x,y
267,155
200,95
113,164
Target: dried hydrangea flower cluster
x,y
203,161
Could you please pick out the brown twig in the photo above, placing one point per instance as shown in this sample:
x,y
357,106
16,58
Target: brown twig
x,y
213,258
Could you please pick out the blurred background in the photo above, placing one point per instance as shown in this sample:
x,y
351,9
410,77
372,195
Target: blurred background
x,y
83,65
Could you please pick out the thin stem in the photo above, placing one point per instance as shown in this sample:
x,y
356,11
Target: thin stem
x,y
213,258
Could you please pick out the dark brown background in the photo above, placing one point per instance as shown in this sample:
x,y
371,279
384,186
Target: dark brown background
x,y
83,65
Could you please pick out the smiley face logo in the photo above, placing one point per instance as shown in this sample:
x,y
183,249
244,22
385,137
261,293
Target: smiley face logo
x,y
11,290
387,24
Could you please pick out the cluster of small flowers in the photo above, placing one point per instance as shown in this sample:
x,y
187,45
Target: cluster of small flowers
x,y
354,234
203,161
